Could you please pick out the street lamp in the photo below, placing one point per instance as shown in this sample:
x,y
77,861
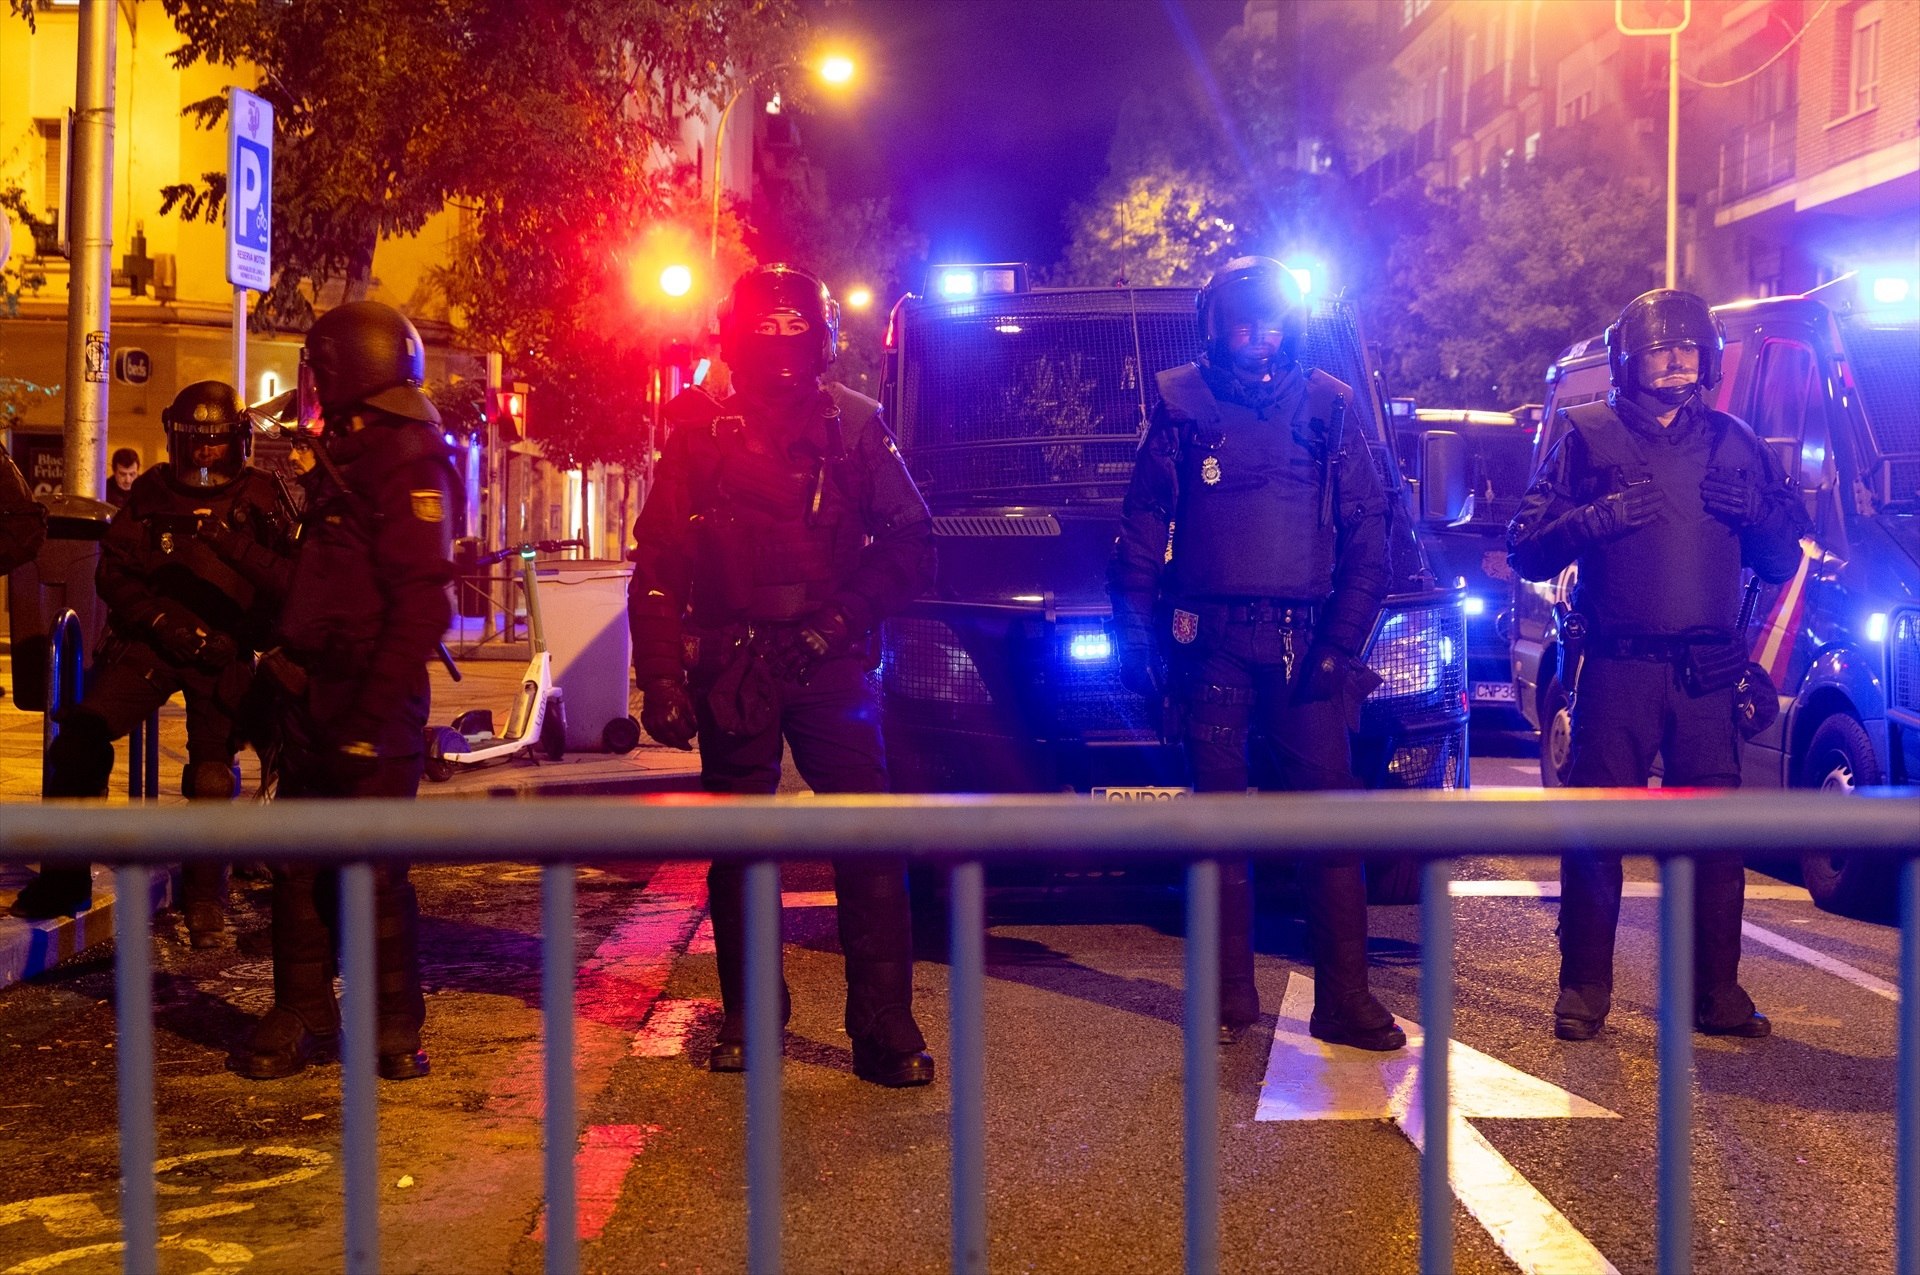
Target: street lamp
x,y
676,281
1668,18
837,70
859,297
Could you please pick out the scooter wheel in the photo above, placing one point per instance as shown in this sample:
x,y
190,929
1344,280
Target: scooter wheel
x,y
439,739
621,735
553,732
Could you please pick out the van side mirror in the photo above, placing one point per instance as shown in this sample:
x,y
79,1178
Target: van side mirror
x,y
1446,479
1786,451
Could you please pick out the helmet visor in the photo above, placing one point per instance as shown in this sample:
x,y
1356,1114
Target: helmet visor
x,y
308,418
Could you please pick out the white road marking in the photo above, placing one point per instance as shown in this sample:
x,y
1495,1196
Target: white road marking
x,y
664,1034
1631,890
1821,961
1309,1080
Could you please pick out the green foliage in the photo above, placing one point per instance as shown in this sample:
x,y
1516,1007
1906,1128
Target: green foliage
x,y
1500,278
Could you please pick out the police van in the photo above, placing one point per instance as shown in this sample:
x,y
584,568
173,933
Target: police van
x,y
1019,411
1831,380
1473,546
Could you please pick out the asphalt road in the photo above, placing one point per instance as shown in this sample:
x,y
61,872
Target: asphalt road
x,y
1793,1151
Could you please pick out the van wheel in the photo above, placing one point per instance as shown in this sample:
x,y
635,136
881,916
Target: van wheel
x,y
1840,758
1556,735
1393,882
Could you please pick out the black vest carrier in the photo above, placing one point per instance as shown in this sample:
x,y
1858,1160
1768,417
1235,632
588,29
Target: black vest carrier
x,y
1247,521
1680,574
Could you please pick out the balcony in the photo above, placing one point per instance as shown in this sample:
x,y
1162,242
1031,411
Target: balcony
x,y
1755,157
1483,100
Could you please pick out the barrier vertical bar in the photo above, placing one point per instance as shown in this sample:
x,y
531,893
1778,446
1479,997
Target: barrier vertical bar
x,y
360,1116
133,1015
1906,1208
557,957
763,1068
136,761
966,1001
1436,1100
153,755
1675,1187
1203,1067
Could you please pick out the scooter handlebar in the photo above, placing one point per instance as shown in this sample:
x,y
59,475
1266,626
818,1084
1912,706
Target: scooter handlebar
x,y
527,550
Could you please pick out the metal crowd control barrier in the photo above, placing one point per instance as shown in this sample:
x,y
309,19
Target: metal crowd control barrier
x,y
143,759
964,833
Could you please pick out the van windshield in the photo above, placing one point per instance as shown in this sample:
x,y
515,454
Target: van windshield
x,y
1502,462
1886,364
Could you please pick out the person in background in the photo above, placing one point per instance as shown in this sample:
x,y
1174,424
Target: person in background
x,y
126,468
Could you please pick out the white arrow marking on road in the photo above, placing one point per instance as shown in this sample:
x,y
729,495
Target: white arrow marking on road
x,y
1476,889
1308,1079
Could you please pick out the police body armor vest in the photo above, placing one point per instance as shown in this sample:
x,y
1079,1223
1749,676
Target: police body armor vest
x,y
1679,574
1247,522
776,512
181,567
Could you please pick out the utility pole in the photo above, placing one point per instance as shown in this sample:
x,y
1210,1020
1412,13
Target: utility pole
x,y
89,291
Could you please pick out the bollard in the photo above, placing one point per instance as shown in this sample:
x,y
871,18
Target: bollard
x,y
764,1031
133,1015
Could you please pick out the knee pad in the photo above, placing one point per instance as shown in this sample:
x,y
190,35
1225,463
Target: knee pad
x,y
209,781
80,760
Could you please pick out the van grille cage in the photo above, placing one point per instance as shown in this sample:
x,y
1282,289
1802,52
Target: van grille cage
x,y
1420,653
923,660
1430,763
1903,662
1080,679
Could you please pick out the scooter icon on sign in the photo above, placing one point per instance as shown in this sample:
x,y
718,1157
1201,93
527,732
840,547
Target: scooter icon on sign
x,y
538,717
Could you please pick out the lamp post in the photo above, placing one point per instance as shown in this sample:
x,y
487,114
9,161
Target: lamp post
x,y
834,70
1668,18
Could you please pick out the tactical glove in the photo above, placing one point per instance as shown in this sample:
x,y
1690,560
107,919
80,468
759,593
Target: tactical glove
x,y
1635,506
1732,497
227,541
184,636
666,711
1139,669
1325,677
795,653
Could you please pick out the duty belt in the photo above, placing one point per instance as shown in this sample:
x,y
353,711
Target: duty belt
x,y
1652,649
1278,611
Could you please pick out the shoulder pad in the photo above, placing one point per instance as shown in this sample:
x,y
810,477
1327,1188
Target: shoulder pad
x,y
857,411
1184,393
1587,417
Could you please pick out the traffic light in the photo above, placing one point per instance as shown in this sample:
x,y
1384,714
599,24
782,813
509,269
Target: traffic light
x,y
509,408
1652,17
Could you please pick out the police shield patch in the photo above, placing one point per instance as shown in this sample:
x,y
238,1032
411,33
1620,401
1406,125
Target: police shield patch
x,y
429,505
1186,627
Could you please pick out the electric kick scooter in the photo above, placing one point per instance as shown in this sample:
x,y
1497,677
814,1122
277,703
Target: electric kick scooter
x,y
538,716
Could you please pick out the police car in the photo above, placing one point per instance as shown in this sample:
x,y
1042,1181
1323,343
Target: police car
x,y
1019,411
1831,380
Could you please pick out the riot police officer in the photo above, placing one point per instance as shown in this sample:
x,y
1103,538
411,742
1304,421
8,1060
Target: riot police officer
x,y
1253,552
1661,501
192,571
782,528
364,614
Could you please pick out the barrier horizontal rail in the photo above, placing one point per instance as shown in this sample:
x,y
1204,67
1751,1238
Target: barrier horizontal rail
x,y
965,831
1427,825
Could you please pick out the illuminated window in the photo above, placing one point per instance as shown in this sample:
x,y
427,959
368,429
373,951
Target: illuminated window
x,y
1864,59
51,169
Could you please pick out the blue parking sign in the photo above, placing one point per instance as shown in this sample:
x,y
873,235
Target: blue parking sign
x,y
249,191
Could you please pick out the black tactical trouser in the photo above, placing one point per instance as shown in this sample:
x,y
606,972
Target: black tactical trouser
x,y
1238,687
1628,710
129,680
832,724
306,919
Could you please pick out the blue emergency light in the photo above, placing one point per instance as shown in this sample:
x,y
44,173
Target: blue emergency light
x,y
964,280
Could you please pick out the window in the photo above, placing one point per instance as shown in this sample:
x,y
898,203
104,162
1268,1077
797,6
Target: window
x,y
1864,59
1789,405
1533,147
1411,9
52,167
1468,53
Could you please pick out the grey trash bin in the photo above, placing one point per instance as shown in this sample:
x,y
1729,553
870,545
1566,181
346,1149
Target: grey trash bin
x,y
59,578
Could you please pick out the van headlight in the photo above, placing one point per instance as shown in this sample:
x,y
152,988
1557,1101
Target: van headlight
x,y
1413,652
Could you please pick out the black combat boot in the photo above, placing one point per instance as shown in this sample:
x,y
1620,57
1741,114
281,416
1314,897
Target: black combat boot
x,y
1344,1010
401,1008
302,1027
203,893
726,905
1590,887
1239,994
876,934
1721,1006
58,890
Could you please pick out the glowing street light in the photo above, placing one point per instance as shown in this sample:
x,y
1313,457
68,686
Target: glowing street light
x,y
859,297
676,281
836,70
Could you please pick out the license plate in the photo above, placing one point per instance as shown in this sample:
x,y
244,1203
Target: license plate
x,y
1493,692
1141,794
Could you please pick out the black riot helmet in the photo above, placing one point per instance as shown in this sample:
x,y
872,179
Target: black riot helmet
x,y
1658,320
1255,290
206,412
365,354
779,329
